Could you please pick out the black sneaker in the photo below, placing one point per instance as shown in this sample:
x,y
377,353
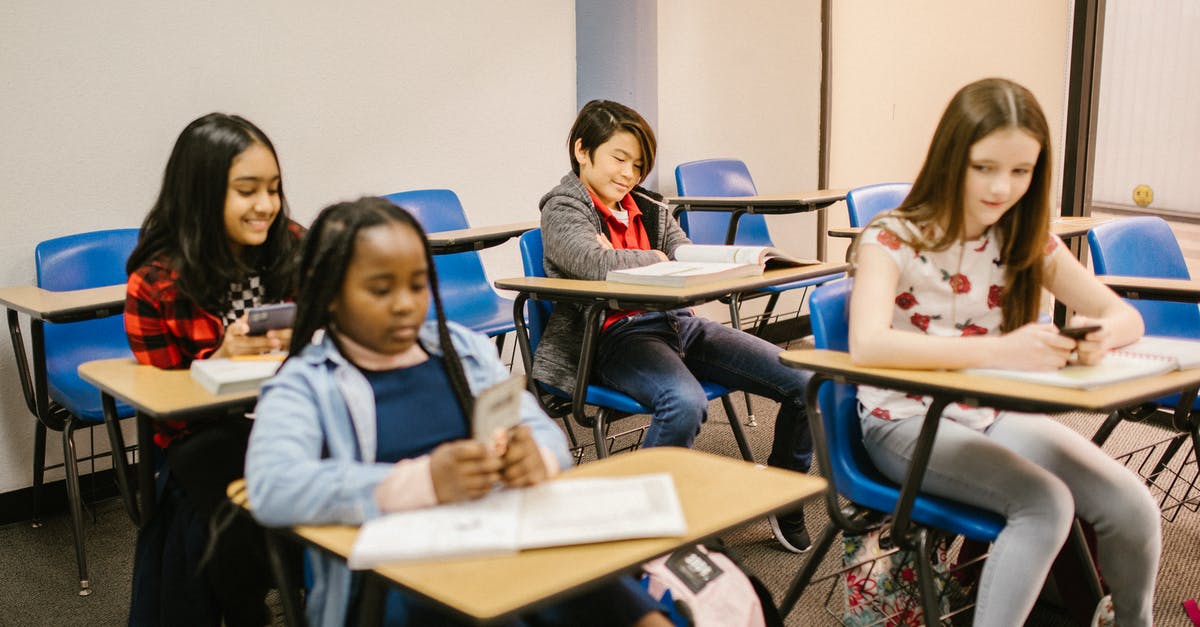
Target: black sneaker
x,y
791,532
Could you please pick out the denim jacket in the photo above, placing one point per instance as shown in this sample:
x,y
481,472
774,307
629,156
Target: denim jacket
x,y
311,458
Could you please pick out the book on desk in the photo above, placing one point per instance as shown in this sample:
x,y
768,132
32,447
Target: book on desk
x,y
699,263
1148,356
553,513
230,375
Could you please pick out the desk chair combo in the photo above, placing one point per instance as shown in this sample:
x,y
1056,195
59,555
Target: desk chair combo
x,y
1145,246
54,393
609,403
467,296
837,441
731,177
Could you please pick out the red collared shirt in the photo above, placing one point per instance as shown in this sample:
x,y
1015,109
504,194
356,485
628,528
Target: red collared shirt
x,y
623,236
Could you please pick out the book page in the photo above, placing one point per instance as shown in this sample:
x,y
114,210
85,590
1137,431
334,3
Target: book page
x,y
723,254
1113,368
1186,353
486,526
575,511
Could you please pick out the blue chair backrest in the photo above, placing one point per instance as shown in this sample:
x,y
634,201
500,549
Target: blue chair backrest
x,y
461,279
866,202
1145,246
851,467
719,177
76,262
538,311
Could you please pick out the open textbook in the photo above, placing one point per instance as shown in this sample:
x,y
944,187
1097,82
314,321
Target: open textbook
x,y
1148,356
553,513
698,263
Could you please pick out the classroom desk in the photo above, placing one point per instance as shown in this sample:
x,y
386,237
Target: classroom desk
x,y
41,307
156,394
737,206
476,238
717,493
972,389
1147,288
597,296
1065,227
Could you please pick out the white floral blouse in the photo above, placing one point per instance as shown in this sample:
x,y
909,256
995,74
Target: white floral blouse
x,y
947,293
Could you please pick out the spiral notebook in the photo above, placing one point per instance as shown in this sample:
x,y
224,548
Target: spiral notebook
x,y
1148,356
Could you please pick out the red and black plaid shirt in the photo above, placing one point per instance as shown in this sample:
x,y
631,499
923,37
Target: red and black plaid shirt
x,y
167,330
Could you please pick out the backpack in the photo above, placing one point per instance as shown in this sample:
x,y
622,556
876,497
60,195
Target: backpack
x,y
705,585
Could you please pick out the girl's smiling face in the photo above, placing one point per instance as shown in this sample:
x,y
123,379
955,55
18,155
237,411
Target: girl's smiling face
x,y
999,170
385,293
251,197
613,168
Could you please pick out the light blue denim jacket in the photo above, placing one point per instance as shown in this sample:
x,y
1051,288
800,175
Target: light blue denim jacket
x,y
319,399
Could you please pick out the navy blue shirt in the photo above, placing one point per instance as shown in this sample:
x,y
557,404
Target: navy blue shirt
x,y
415,410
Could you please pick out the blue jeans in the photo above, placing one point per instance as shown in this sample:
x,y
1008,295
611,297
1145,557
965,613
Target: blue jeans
x,y
659,358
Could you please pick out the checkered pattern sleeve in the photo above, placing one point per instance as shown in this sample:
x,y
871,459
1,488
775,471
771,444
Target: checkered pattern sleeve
x,y
166,329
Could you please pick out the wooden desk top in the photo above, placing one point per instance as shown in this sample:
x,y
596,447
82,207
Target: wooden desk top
x,y
157,393
71,306
998,392
717,493
476,238
1070,226
1180,290
775,203
660,296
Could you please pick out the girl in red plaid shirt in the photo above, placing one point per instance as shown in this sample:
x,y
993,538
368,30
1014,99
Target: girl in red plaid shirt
x,y
217,242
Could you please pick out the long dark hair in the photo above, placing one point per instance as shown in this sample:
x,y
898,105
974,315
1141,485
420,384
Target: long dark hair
x,y
976,111
325,254
186,226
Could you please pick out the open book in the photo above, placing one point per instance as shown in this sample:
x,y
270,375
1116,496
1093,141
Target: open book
x,y
553,513
698,263
235,374
1148,356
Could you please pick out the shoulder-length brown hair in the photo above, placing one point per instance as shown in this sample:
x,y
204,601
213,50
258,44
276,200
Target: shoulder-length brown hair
x,y
976,111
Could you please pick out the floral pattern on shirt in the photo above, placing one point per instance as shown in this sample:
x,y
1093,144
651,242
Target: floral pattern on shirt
x,y
946,293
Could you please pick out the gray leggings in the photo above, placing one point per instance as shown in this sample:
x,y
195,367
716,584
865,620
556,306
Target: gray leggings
x,y
1039,474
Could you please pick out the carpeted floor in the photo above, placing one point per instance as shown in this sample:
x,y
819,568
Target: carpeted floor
x,y
37,566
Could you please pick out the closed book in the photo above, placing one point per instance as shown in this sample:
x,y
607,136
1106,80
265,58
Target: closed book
x,y
236,374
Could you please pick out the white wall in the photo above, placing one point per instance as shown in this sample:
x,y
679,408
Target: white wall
x,y
358,97
1147,130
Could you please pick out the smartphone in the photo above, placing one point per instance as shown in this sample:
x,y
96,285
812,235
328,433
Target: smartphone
x,y
1077,333
268,317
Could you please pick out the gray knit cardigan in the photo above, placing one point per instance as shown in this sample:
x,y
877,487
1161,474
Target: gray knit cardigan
x,y
569,226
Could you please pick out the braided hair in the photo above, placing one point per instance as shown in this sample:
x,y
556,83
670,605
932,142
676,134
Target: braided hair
x,y
326,252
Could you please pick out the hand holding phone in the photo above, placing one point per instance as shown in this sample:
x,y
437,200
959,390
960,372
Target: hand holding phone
x,y
1078,333
270,317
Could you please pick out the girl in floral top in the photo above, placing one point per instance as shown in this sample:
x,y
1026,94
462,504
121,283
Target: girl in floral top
x,y
952,278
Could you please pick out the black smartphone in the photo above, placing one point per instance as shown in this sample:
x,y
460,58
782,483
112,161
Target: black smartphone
x,y
268,317
1077,333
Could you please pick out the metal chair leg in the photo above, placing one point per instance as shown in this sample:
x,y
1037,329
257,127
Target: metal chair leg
x,y
74,501
925,578
598,433
735,321
39,470
828,535
738,433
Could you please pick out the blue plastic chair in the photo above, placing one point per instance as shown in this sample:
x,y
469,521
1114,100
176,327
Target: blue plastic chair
x,y
75,262
837,440
731,177
864,203
610,403
467,295
1145,246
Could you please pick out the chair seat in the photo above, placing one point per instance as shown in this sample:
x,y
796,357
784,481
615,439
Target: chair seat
x,y
608,397
65,387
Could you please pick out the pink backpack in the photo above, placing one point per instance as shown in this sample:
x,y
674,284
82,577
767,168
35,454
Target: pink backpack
x,y
704,585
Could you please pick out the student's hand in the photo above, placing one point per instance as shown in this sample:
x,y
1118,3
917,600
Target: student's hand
x,y
1095,345
523,465
604,243
237,340
1034,346
462,470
